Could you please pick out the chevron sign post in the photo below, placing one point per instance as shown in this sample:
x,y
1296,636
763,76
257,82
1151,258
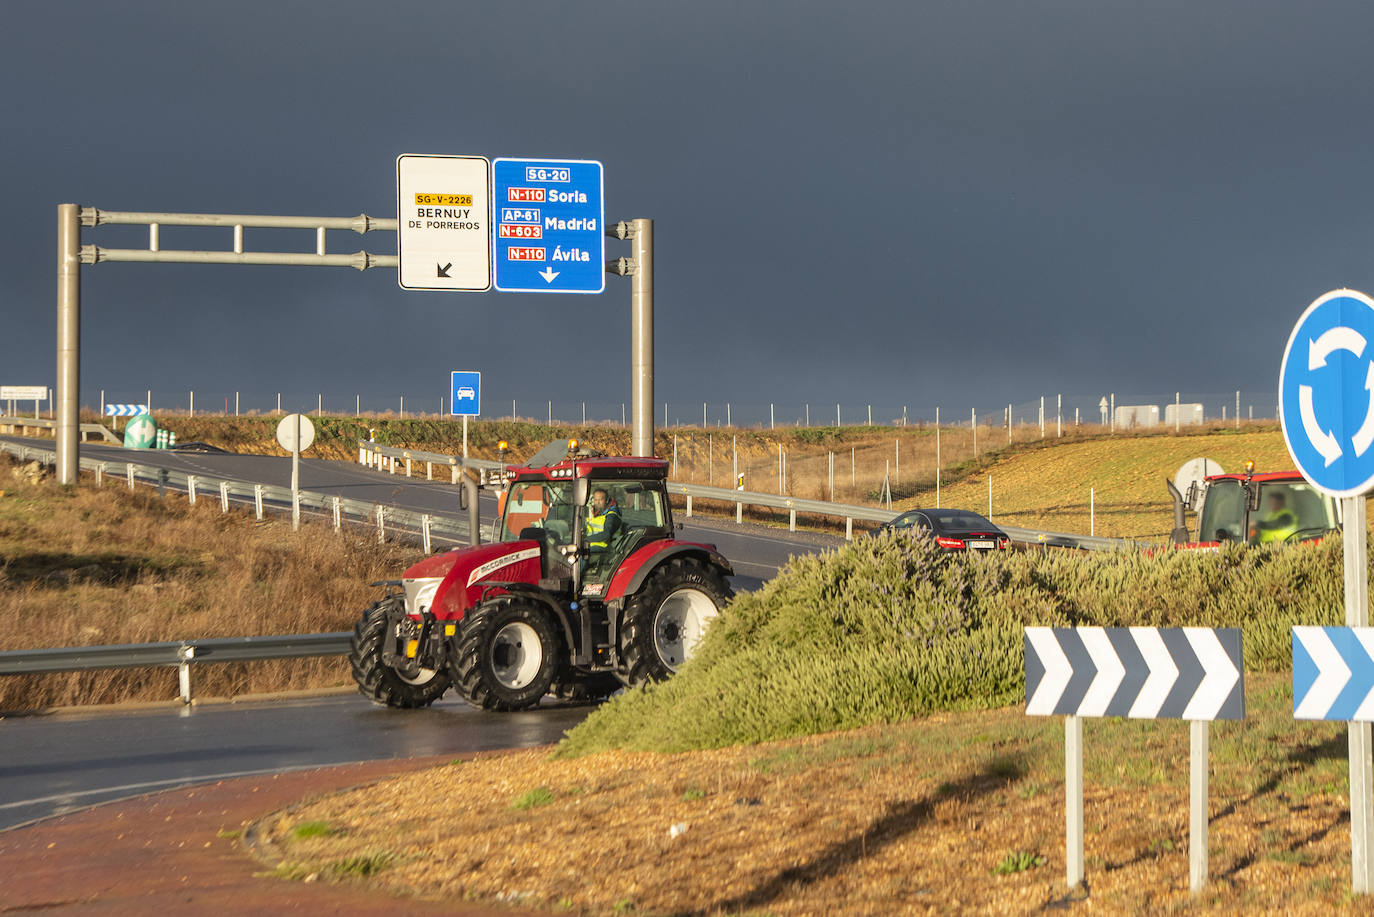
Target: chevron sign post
x,y
125,410
1189,673
1326,409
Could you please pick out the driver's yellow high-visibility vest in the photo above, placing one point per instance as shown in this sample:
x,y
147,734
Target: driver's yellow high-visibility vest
x,y
1278,526
596,526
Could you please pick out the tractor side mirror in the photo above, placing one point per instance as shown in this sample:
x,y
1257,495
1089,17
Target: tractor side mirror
x,y
581,489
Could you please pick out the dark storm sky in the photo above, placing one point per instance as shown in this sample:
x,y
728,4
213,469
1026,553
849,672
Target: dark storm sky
x,y
960,203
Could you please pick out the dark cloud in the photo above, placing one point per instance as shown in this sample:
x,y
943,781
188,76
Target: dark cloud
x,y
955,203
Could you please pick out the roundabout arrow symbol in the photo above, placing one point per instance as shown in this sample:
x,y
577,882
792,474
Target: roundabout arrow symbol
x,y
1364,436
1333,339
1324,442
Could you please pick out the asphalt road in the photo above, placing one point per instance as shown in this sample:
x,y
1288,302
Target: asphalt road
x,y
55,764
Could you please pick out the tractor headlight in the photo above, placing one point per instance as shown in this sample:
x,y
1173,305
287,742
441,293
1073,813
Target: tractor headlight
x,y
420,595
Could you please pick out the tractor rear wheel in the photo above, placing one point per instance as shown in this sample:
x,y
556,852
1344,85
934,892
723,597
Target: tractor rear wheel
x,y
668,616
507,655
379,682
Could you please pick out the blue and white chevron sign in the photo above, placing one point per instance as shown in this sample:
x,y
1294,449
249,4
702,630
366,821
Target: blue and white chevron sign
x,y
1187,673
125,410
1333,673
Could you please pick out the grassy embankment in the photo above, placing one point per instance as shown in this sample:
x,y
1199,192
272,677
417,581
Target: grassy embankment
x,y
100,566
955,804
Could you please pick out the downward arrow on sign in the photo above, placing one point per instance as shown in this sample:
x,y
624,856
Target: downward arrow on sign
x,y
548,274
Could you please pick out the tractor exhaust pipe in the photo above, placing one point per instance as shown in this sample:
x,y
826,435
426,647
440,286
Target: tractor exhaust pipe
x,y
1180,532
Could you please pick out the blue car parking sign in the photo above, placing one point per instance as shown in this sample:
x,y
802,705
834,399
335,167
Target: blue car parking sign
x,y
1326,393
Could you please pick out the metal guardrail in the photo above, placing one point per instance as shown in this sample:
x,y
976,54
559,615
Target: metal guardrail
x,y
379,456
20,425
182,654
262,496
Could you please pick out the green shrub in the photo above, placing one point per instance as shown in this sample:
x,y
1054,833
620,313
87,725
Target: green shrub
x,y
890,627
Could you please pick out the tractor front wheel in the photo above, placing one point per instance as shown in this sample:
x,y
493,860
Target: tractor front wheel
x,y
668,616
507,655
379,682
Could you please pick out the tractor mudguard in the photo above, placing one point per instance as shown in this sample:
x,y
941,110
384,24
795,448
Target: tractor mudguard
x,y
540,596
644,560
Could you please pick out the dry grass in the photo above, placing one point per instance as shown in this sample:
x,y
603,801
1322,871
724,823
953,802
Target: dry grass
x,y
946,814
81,566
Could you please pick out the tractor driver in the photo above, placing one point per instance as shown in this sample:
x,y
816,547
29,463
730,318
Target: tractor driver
x,y
1278,522
603,521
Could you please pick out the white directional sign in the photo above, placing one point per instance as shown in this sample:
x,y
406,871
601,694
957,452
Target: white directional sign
x,y
23,393
443,233
1326,393
1189,673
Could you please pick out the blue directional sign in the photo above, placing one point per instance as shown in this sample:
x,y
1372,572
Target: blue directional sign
x,y
125,410
1326,393
548,225
466,394
1333,673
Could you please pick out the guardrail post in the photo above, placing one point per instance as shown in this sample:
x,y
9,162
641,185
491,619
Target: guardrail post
x,y
424,532
224,496
848,529
191,488
407,466
792,521
381,525
162,479
129,468
100,475
257,500
739,513
689,506
186,654
338,514
429,471
454,463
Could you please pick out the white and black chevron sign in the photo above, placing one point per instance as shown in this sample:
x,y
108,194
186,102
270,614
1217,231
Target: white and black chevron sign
x,y
1188,673
125,410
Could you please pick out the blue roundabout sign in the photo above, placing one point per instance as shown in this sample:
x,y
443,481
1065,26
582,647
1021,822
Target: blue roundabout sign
x,y
1326,393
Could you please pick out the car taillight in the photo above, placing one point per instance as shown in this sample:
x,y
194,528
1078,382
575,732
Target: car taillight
x,y
944,542
1004,544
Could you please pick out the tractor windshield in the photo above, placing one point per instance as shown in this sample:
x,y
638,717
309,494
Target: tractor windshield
x,y
1291,512
1287,511
546,505
1223,512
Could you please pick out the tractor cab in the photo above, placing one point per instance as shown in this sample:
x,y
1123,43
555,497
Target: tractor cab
x,y
1251,508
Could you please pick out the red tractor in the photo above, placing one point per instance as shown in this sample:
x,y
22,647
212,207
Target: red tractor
x,y
1249,508
562,602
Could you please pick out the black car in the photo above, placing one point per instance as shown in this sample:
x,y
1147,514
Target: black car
x,y
952,529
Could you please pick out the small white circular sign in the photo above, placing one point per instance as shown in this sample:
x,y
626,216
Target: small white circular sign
x,y
287,434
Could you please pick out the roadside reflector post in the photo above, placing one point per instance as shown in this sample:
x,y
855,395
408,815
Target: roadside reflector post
x,y
1187,673
186,654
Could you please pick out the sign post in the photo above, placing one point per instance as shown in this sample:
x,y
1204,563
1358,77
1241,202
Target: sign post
x,y
1326,409
295,433
465,399
1189,673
